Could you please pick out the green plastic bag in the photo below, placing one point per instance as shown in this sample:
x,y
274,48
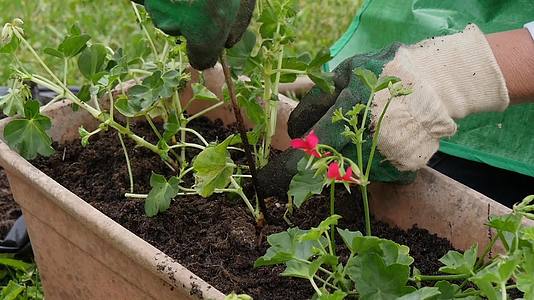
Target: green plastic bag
x,y
503,140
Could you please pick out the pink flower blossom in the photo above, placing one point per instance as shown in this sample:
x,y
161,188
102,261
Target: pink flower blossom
x,y
307,144
334,173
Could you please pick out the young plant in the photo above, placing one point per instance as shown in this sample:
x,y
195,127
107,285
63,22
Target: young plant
x,y
123,86
356,126
262,58
382,269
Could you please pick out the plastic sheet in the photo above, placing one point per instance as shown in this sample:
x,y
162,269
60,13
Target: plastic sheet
x,y
503,140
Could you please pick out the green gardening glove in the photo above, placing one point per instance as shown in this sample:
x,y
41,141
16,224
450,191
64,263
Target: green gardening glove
x,y
450,77
315,112
208,25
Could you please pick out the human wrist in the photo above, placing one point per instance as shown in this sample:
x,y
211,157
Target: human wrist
x,y
514,52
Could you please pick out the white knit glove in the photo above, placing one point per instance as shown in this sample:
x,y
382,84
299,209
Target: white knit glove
x,y
451,77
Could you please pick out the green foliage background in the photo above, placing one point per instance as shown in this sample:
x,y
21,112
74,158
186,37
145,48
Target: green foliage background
x,y
320,23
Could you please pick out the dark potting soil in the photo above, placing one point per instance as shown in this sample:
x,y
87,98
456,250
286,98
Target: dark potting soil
x,y
215,238
9,210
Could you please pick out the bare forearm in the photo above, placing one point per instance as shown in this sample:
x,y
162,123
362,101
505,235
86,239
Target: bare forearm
x,y
514,51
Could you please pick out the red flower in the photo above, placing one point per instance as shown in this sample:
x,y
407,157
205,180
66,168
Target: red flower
x,y
307,144
335,174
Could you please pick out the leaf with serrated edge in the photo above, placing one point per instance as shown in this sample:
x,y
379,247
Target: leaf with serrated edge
x,y
458,263
213,169
160,196
29,136
305,184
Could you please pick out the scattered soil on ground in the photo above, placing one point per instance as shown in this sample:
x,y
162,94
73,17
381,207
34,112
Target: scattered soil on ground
x,y
9,210
215,238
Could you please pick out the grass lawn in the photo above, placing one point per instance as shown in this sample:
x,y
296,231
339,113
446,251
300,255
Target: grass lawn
x,y
113,23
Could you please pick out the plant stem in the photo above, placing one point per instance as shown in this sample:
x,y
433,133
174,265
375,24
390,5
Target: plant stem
x,y
82,104
239,191
153,126
375,139
205,111
504,294
487,250
183,123
243,133
363,189
332,212
136,196
198,135
65,70
54,100
130,173
190,145
439,277
315,287
325,282
145,31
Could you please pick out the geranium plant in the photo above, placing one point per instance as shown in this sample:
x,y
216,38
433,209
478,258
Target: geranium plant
x,y
144,81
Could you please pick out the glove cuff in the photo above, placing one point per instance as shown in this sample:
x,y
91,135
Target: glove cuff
x,y
462,70
451,77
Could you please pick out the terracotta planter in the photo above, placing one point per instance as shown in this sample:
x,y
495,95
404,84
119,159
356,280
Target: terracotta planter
x,y
82,254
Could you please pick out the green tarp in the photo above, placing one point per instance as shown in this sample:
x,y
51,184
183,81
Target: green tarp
x,y
504,140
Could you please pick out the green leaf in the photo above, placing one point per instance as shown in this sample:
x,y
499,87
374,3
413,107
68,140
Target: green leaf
x,y
213,169
367,76
92,61
171,81
13,102
28,136
315,233
84,135
525,278
141,98
422,294
528,233
375,280
74,44
305,184
398,89
348,237
247,98
389,251
337,295
54,52
447,290
338,115
300,269
458,263
384,82
234,296
325,81
200,92
498,272
11,291
320,59
286,246
15,264
160,196
509,223
172,127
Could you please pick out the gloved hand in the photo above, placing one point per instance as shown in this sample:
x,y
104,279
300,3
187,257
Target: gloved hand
x,y
208,25
451,77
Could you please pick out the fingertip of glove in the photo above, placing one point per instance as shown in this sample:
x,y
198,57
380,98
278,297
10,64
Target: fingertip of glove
x,y
244,15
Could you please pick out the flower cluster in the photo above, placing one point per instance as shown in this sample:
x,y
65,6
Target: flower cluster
x,y
310,145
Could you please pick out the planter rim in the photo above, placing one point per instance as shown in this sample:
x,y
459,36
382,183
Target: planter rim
x,y
119,237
